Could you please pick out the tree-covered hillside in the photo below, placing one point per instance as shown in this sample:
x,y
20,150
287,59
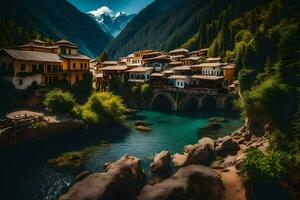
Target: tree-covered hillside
x,y
55,19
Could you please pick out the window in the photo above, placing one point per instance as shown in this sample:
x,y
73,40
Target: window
x,y
20,81
74,65
23,67
48,68
81,66
34,68
41,68
85,65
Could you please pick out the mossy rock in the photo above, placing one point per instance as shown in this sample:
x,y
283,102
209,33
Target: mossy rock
x,y
72,160
218,120
143,129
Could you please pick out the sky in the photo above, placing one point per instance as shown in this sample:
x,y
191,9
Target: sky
x,y
127,6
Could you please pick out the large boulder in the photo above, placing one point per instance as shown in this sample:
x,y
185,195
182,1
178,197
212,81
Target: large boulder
x,y
191,182
199,153
123,179
227,145
161,162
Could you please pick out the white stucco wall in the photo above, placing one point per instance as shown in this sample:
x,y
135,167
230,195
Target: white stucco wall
x,y
27,81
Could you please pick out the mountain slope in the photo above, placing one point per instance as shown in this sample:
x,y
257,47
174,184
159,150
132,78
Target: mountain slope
x,y
56,19
110,22
148,29
166,24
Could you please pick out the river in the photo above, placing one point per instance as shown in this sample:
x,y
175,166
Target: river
x,y
25,174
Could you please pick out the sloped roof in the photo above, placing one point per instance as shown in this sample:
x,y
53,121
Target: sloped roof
x,y
158,74
179,51
182,68
140,69
33,56
177,77
115,68
216,64
207,77
64,41
76,56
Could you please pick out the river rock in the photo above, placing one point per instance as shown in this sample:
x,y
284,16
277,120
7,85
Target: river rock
x,y
161,162
214,126
199,153
179,160
143,129
140,123
83,175
227,145
218,119
122,179
191,182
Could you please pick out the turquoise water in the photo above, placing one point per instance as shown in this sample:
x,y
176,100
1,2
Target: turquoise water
x,y
25,174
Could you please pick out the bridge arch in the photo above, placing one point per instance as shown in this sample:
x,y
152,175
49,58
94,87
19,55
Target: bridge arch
x,y
189,103
163,100
208,102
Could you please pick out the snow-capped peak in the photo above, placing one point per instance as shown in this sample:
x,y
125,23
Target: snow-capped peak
x,y
104,10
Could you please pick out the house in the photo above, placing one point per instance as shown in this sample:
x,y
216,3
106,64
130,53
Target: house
x,y
158,63
179,81
53,63
137,57
40,46
26,68
75,67
228,74
182,70
158,79
114,72
213,60
178,54
211,68
140,74
193,60
205,81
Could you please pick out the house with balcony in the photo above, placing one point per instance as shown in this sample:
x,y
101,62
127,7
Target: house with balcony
x,y
140,74
26,68
52,63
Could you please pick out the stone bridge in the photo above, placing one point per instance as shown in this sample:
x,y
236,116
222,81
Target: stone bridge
x,y
176,99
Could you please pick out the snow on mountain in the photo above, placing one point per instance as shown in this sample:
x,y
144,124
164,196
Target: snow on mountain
x,y
111,22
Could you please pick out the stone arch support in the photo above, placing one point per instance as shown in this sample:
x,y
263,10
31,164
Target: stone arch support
x,y
168,96
186,99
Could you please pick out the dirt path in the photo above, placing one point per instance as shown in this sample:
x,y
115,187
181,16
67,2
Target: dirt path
x,y
234,189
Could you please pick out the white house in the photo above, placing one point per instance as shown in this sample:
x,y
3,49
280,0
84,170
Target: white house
x,y
140,74
179,81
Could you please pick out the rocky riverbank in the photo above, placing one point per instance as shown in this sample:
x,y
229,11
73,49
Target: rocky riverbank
x,y
206,170
31,126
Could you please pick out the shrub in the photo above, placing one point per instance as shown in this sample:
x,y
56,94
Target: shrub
x,y
59,102
272,165
146,91
102,108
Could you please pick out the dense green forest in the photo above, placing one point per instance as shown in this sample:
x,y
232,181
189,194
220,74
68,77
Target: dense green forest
x,y
12,35
55,19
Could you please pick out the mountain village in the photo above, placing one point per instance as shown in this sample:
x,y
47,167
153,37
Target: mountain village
x,y
38,64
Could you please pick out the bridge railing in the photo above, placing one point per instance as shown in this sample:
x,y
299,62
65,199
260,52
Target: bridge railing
x,y
208,91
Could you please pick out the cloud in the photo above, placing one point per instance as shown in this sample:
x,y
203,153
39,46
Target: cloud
x,y
100,11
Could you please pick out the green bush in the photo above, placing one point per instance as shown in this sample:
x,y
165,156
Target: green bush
x,y
146,91
271,165
59,102
101,108
267,99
